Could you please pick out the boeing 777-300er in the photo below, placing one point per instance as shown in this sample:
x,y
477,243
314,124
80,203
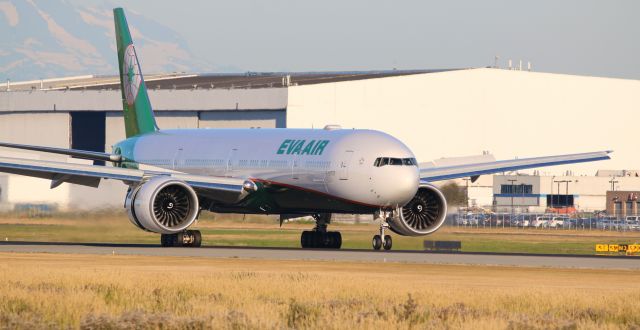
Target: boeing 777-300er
x,y
290,172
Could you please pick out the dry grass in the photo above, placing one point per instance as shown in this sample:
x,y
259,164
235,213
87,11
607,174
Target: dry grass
x,y
106,292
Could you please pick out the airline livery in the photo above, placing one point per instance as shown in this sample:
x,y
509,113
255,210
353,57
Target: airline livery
x,y
290,172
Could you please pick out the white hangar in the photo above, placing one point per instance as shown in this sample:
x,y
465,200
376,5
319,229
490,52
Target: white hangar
x,y
437,113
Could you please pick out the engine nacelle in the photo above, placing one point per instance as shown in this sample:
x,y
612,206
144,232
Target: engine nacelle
x,y
162,205
423,215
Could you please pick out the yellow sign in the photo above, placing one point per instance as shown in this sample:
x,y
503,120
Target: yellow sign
x,y
621,248
602,248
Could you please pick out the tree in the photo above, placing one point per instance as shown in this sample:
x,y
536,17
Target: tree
x,y
455,195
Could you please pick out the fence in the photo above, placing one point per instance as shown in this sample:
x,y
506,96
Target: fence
x,y
532,221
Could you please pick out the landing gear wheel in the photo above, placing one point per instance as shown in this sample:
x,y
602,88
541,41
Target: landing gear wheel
x,y
305,239
388,242
337,239
315,240
188,238
197,238
167,240
376,242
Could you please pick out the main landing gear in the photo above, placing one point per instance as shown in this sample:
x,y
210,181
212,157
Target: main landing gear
x,y
382,240
319,237
187,238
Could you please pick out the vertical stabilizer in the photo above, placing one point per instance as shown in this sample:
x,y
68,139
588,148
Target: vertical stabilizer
x,y
138,115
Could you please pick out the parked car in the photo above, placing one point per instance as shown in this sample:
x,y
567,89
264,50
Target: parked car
x,y
549,222
523,220
632,222
605,223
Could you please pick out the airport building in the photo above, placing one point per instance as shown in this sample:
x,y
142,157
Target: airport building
x,y
612,191
437,113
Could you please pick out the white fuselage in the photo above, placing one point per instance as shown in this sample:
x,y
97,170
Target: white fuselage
x,y
339,163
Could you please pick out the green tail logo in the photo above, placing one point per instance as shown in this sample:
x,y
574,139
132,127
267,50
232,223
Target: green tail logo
x,y
138,114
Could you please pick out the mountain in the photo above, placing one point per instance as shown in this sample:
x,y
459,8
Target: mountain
x,y
54,38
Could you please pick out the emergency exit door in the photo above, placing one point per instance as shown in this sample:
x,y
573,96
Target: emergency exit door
x,y
345,163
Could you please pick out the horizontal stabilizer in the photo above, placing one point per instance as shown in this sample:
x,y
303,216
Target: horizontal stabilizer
x,y
82,154
221,189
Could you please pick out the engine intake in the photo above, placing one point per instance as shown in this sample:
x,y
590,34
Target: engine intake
x,y
423,215
162,205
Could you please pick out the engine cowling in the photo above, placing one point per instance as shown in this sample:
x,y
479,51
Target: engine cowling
x,y
162,205
423,215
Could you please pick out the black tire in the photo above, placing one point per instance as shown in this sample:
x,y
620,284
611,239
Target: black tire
x,y
326,240
197,238
178,239
376,242
304,239
316,240
337,240
388,242
165,240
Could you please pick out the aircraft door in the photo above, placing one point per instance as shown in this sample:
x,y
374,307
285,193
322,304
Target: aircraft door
x,y
230,160
295,168
344,165
176,158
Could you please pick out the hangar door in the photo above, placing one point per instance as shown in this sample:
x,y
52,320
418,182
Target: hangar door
x,y
88,131
242,119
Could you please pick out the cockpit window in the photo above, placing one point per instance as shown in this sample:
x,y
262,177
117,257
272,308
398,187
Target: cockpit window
x,y
409,162
382,161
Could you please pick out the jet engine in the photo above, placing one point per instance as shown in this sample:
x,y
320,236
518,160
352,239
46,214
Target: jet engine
x,y
162,205
423,215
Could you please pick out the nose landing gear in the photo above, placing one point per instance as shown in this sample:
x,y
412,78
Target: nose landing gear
x,y
319,237
382,241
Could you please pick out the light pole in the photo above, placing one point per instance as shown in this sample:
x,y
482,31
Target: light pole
x,y
613,182
512,193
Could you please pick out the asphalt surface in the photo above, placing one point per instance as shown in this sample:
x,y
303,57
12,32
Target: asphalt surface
x,y
459,258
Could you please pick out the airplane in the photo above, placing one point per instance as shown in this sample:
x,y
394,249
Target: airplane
x,y
282,171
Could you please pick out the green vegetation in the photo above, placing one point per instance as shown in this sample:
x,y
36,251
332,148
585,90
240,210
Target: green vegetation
x,y
265,231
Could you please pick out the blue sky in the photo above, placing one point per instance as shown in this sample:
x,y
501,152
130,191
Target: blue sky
x,y
596,38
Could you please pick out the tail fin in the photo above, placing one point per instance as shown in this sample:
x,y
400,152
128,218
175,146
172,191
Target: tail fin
x,y
138,115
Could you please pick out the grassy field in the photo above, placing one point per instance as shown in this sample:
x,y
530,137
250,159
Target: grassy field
x,y
136,292
263,231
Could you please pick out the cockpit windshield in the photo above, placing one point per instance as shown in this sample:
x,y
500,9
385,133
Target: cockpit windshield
x,y
382,161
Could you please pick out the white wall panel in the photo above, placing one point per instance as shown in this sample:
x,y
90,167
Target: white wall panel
x,y
510,113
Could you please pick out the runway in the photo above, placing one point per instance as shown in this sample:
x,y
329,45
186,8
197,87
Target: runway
x,y
459,258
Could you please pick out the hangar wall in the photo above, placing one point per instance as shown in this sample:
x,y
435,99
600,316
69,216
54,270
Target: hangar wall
x,y
44,118
464,112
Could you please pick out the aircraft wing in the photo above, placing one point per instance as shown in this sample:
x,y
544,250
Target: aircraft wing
x,y
217,188
474,170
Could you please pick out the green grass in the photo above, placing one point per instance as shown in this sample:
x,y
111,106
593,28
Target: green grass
x,y
265,232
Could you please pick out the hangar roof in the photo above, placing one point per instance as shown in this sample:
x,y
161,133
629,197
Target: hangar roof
x,y
248,80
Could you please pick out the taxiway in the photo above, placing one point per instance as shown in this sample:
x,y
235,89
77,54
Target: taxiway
x,y
524,260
